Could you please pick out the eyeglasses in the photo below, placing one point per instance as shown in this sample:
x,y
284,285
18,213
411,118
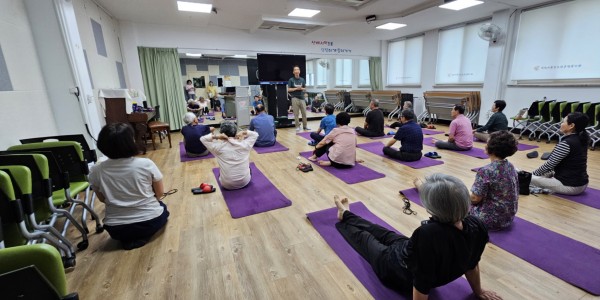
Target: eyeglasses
x,y
406,209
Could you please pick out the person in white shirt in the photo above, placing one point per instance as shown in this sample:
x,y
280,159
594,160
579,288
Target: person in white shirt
x,y
232,150
129,186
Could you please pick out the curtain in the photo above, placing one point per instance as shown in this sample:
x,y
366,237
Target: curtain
x,y
375,73
161,74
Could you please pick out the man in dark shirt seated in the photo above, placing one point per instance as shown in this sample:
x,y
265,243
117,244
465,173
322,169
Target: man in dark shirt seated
x,y
373,122
264,125
441,250
194,107
410,136
192,132
497,122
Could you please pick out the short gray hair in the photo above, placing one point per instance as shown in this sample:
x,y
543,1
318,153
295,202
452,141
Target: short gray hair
x,y
228,128
188,118
445,197
375,102
408,104
191,101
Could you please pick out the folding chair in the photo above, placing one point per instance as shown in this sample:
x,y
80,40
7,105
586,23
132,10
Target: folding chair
x,y
534,121
72,176
594,129
555,118
44,207
520,119
554,130
33,272
88,153
13,223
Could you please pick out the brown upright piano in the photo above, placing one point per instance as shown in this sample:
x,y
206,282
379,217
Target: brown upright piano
x,y
116,113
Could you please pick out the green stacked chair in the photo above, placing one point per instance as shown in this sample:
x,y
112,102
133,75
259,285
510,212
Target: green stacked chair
x,y
534,115
72,179
594,129
560,111
15,230
547,113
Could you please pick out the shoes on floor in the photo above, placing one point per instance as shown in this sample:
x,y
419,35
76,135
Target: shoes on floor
x,y
306,129
532,154
298,128
538,190
312,143
434,155
391,132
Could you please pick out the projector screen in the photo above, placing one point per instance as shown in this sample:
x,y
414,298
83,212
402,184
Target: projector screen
x,y
558,42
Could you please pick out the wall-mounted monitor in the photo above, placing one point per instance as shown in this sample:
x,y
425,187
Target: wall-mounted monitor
x,y
277,68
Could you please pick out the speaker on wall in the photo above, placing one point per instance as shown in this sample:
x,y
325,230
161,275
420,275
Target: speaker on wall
x,y
252,65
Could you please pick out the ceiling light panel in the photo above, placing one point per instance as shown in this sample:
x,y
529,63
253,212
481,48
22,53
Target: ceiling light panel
x,y
460,4
194,7
304,13
390,26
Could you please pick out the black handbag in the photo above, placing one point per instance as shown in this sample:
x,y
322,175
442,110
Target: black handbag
x,y
524,181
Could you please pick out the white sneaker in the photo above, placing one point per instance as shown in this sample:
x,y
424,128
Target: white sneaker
x,y
298,128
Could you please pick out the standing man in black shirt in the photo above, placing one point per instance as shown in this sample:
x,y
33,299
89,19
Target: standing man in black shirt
x,y
373,122
296,88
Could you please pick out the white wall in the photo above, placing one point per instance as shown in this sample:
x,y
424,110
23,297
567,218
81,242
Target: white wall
x,y
225,41
26,111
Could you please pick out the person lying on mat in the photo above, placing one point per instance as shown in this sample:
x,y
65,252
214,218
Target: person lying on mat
x,y
339,144
495,192
130,187
410,136
406,105
441,250
327,125
373,122
232,150
264,125
497,121
565,171
460,137
192,132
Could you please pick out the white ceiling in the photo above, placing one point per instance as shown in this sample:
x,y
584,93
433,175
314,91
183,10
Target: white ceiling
x,y
337,19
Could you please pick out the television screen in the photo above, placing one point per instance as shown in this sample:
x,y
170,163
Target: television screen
x,y
277,68
252,65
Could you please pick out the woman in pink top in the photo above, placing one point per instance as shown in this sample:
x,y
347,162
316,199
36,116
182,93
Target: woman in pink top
x,y
339,144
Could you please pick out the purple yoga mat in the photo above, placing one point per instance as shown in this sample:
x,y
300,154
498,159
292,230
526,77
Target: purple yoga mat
x,y
430,132
590,197
356,174
377,148
520,147
305,134
275,148
258,196
324,222
474,152
561,256
183,157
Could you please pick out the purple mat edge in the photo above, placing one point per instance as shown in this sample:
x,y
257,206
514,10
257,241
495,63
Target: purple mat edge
x,y
236,213
480,152
333,171
324,223
277,147
553,264
184,158
411,164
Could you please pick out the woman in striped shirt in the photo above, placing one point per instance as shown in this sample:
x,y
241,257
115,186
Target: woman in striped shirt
x,y
565,172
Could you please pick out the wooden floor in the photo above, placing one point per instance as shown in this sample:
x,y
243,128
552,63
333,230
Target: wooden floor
x,y
205,254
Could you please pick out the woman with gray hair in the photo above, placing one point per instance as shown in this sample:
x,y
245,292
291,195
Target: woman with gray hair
x,y
232,150
442,249
192,132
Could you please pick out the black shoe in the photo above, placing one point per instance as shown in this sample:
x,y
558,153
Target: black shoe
x,y
532,154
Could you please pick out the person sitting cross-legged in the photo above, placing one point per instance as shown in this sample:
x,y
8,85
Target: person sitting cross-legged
x,y
339,144
232,150
410,135
264,125
497,121
373,122
460,137
495,192
406,105
192,132
439,251
327,124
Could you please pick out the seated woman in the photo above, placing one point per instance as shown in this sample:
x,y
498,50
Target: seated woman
x,y
192,132
203,103
565,171
232,150
339,144
495,193
130,187
441,250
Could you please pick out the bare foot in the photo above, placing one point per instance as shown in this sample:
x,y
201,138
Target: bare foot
x,y
324,163
342,206
312,158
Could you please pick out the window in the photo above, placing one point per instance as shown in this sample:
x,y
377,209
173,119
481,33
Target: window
x,y
343,72
364,78
310,73
322,66
558,43
461,56
404,61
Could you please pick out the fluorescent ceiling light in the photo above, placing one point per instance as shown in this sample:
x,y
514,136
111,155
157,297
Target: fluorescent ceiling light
x,y
240,56
195,7
305,13
460,4
194,54
390,26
